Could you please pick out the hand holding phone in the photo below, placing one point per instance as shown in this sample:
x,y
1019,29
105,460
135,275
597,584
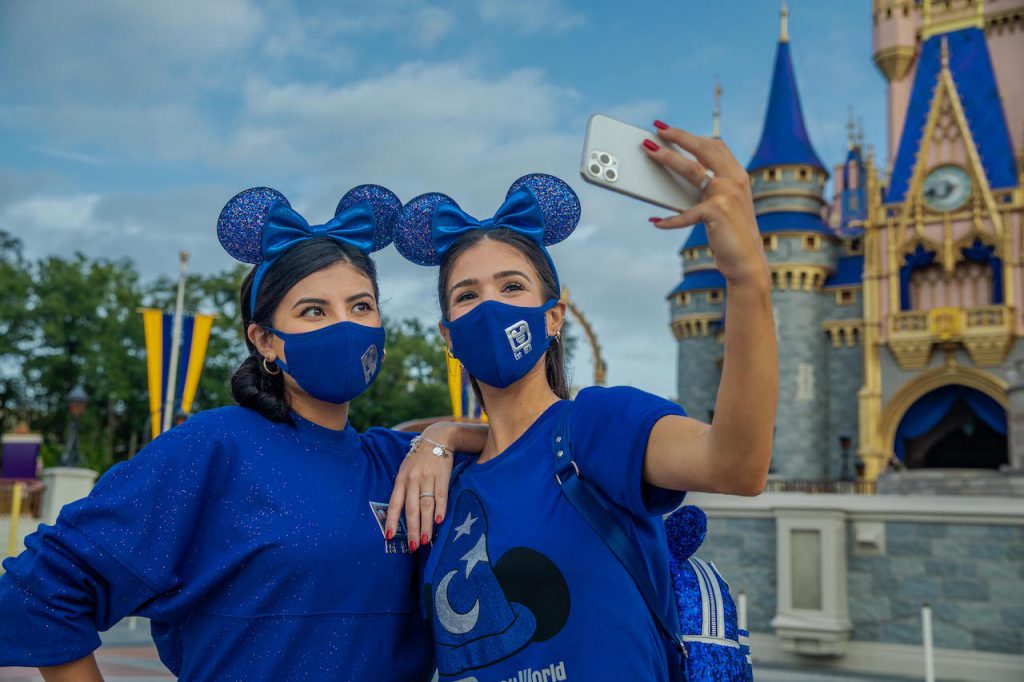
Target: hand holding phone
x,y
613,158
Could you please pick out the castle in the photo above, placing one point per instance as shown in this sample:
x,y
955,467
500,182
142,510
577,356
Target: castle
x,y
897,300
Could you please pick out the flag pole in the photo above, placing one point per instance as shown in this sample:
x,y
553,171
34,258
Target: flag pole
x,y
172,368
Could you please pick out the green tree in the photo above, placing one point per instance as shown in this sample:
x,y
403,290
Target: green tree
x,y
86,330
413,380
15,324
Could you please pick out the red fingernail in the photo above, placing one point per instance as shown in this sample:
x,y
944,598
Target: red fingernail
x,y
438,520
424,540
660,125
650,144
388,534
654,220
412,545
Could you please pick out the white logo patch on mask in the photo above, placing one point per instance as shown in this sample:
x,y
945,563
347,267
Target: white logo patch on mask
x,y
369,360
519,338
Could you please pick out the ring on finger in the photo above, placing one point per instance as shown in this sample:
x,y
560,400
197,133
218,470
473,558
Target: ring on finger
x,y
709,175
422,495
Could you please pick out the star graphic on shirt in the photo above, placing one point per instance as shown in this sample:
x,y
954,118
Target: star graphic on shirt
x,y
466,526
476,555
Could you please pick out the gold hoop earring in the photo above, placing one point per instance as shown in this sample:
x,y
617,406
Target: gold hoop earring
x,y
267,369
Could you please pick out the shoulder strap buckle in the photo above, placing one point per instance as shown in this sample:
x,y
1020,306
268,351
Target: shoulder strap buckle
x,y
575,468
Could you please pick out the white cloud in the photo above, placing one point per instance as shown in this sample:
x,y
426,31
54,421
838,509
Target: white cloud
x,y
125,46
432,25
530,16
421,126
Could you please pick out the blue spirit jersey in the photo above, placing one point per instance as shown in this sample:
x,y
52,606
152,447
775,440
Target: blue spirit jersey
x,y
518,587
255,547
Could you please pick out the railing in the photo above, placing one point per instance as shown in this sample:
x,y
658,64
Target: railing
x,y
909,322
987,316
31,501
820,485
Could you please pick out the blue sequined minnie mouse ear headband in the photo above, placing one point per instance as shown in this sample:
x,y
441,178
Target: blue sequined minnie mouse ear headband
x,y
540,207
259,225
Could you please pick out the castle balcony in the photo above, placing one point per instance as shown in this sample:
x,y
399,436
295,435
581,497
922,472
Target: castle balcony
x,y
986,333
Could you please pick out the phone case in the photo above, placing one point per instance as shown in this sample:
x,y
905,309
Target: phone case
x,y
613,158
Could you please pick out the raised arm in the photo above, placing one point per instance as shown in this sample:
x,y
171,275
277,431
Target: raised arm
x,y
423,473
732,454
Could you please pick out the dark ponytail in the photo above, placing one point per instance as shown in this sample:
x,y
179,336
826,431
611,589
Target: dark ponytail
x,y
554,358
252,385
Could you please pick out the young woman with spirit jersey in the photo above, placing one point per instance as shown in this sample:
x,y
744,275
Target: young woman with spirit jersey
x,y
518,586
251,536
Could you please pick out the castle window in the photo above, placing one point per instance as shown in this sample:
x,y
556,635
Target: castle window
x,y
844,297
715,296
803,174
856,246
771,242
684,298
812,242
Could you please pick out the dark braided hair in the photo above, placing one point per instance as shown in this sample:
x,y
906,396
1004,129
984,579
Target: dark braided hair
x,y
252,386
554,357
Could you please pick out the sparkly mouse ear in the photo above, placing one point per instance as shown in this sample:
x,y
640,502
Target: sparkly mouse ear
x,y
386,210
558,202
412,231
240,225
686,528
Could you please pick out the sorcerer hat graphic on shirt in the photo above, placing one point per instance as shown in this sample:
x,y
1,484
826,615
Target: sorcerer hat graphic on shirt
x,y
474,624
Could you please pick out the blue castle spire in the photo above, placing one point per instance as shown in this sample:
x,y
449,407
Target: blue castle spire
x,y
784,137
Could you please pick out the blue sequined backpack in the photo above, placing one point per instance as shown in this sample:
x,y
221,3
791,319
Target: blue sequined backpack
x,y
716,648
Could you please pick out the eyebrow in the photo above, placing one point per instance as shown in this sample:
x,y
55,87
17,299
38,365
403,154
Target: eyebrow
x,y
498,275
316,301
356,297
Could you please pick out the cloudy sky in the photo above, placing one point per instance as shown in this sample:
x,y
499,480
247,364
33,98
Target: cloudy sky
x,y
125,126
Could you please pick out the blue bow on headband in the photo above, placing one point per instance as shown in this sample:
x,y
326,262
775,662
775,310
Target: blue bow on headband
x,y
521,213
284,228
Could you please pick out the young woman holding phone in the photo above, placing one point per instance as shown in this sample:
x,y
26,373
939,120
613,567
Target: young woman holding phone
x,y
517,581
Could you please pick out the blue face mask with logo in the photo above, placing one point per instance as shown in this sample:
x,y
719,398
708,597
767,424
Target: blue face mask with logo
x,y
499,343
334,363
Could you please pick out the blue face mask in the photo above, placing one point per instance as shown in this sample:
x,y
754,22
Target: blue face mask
x,y
499,343
334,363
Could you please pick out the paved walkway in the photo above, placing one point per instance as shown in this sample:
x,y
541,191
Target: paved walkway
x,y
128,655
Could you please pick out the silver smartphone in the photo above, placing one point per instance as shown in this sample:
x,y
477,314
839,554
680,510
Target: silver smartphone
x,y
613,158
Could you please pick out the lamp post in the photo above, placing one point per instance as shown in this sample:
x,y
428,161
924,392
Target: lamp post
x,y
77,399
845,474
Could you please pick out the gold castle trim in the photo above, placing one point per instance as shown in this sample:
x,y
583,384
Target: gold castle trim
x,y
694,325
842,332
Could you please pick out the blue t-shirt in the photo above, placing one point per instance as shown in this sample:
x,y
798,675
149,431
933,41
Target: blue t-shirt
x,y
519,587
252,545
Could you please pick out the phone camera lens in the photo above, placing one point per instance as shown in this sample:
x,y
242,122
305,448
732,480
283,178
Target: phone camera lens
x,y
595,169
605,159
610,175
593,156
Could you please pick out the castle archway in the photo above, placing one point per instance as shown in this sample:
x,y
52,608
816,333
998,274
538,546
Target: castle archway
x,y
951,417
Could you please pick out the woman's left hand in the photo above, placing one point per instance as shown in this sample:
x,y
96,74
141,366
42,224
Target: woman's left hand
x,y
726,209
421,488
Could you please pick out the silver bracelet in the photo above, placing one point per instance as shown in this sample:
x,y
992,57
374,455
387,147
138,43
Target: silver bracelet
x,y
438,450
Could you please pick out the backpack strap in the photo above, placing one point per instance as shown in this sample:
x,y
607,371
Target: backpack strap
x,y
589,502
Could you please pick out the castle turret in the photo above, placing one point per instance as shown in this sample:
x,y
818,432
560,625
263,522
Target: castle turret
x,y
787,180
